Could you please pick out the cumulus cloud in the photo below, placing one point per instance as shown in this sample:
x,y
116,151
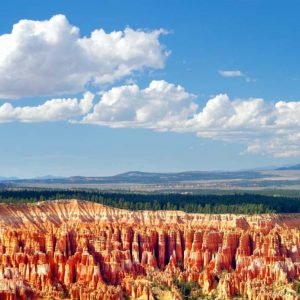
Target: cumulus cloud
x,y
160,106
51,58
51,110
231,73
264,128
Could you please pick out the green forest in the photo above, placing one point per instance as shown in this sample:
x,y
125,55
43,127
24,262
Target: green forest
x,y
239,203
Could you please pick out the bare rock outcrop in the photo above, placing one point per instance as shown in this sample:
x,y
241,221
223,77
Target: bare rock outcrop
x,y
82,250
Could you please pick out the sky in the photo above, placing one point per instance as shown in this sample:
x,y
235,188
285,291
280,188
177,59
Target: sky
x,y
103,87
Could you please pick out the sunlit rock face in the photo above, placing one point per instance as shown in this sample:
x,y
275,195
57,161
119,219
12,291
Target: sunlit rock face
x,y
82,250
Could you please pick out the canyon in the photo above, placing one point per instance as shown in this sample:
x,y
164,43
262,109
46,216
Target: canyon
x,y
73,249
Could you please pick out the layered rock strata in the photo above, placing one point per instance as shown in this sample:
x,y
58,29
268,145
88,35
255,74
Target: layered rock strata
x,y
82,250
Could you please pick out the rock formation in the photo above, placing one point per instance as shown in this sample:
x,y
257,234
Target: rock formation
x,y
82,250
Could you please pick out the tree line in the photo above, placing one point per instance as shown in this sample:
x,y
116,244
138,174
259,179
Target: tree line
x,y
238,203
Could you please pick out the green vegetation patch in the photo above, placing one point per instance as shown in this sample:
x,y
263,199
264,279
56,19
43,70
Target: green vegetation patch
x,y
237,203
189,290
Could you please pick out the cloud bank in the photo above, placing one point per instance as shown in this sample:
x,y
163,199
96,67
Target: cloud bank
x,y
50,111
262,127
50,57
160,106
265,128
47,58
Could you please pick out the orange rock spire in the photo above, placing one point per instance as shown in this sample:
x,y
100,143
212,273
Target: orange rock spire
x,y
83,250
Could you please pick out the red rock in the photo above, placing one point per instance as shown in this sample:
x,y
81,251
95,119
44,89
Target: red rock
x,y
89,251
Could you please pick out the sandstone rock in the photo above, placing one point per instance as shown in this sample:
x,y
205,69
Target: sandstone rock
x,y
85,250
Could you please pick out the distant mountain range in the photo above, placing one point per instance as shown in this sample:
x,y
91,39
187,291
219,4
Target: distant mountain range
x,y
8,178
140,177
289,168
147,177
35,178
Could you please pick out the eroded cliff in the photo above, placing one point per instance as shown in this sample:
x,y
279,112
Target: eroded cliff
x,y
82,250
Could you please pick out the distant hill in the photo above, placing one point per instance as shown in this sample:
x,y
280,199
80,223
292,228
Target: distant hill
x,y
142,178
8,178
289,168
48,177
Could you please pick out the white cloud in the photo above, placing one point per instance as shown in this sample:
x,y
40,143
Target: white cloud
x,y
51,110
161,106
231,73
264,128
51,58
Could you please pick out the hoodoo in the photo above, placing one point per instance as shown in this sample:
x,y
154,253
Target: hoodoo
x,y
83,250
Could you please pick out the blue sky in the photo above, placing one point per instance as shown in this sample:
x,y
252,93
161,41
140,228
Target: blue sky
x,y
247,51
